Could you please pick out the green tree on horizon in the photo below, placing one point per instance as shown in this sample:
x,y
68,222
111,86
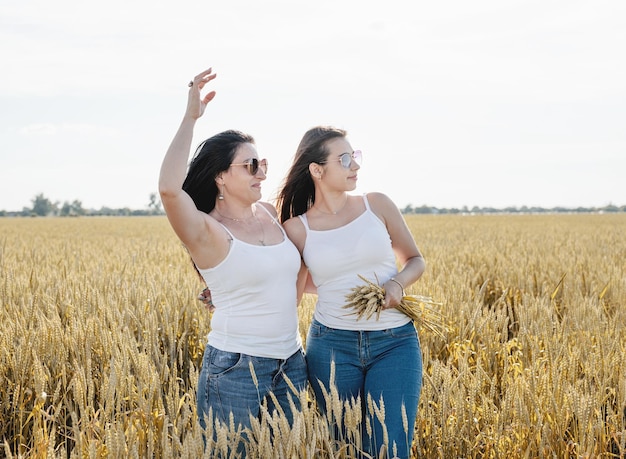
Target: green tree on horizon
x,y
42,206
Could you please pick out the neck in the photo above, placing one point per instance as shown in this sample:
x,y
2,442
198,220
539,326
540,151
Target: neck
x,y
331,208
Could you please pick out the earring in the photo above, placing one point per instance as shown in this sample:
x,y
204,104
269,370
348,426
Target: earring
x,y
220,194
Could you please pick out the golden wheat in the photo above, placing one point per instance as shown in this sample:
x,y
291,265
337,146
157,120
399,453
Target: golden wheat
x,y
101,341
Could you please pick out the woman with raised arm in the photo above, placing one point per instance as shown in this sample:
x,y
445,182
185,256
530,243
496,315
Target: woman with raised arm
x,y
243,254
341,237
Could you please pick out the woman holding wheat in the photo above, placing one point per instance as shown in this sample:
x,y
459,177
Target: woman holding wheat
x,y
343,238
247,260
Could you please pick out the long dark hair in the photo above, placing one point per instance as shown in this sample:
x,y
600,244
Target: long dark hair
x,y
212,157
297,194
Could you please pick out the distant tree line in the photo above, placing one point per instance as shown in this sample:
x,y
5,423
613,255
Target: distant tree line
x,y
510,210
44,207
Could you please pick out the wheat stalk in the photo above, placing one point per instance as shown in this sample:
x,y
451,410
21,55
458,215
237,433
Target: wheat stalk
x,y
367,300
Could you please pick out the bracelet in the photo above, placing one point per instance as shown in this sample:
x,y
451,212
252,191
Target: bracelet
x,y
393,279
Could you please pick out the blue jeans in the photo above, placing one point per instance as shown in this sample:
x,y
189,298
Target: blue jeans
x,y
227,386
385,363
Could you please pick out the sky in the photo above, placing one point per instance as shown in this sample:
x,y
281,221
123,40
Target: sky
x,y
501,103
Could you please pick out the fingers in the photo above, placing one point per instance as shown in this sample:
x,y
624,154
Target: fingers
x,y
196,104
393,294
202,79
205,297
209,97
206,79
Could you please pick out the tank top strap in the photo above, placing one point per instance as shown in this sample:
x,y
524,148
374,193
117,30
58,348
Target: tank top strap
x,y
367,203
305,222
232,236
273,219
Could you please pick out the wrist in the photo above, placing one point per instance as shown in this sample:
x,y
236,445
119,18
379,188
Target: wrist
x,y
393,279
187,118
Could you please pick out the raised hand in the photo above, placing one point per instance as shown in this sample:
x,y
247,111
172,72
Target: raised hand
x,y
196,104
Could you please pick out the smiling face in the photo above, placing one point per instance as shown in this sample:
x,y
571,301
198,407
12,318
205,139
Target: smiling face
x,y
238,182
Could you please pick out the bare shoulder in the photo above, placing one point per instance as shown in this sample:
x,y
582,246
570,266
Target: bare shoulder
x,y
380,203
270,208
294,225
295,231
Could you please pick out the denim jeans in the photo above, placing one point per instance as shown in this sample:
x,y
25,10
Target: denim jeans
x,y
227,386
385,363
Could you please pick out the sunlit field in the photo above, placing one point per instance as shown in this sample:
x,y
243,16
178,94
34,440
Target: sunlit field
x,y
101,338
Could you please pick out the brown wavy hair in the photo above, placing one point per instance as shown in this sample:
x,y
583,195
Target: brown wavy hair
x,y
297,193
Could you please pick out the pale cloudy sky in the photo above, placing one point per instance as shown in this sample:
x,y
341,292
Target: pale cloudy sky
x,y
490,103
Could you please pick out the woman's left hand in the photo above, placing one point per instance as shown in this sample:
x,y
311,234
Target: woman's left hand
x,y
393,294
205,297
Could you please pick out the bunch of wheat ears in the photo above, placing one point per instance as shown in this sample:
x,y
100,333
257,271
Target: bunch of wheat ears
x,y
367,300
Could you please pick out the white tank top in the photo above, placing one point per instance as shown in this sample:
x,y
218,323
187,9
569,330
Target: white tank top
x,y
337,257
254,292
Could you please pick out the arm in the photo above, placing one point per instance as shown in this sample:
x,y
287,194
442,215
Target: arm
x,y
186,220
408,255
309,286
301,284
297,234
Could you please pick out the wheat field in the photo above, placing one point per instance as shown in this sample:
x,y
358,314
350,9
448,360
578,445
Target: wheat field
x,y
101,337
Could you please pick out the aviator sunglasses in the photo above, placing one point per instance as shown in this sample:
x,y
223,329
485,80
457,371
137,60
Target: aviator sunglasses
x,y
346,158
253,165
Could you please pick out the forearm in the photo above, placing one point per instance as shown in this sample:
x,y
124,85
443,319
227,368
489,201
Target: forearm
x,y
302,282
174,166
411,271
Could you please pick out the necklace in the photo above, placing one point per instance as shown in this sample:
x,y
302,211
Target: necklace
x,y
262,240
334,212
235,219
239,220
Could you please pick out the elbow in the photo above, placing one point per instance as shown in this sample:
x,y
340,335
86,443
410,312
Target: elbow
x,y
167,188
167,192
164,191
